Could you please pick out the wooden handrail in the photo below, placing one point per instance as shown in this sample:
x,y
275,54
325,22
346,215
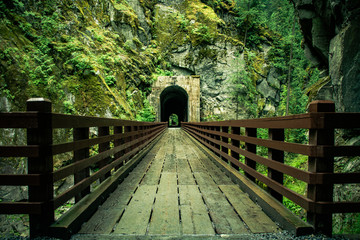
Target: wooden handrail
x,y
129,137
319,204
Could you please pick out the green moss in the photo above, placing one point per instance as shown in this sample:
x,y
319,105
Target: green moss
x,y
64,51
221,5
126,13
208,53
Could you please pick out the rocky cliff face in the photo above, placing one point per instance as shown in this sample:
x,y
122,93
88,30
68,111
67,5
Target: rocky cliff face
x,y
88,57
198,40
331,31
99,57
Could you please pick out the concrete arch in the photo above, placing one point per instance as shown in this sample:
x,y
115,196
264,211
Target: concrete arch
x,y
174,100
176,94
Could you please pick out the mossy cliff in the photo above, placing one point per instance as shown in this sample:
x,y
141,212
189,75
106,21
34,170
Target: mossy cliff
x,y
100,57
202,38
88,57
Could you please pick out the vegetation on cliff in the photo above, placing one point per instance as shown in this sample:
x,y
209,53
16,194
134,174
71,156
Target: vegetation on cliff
x,y
68,52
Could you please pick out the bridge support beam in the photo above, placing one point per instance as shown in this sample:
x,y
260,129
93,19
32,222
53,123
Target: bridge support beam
x,y
324,192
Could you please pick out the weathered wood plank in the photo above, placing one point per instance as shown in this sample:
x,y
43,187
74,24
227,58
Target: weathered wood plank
x,y
103,221
283,216
144,164
169,163
120,197
252,214
185,176
195,164
223,215
152,176
137,214
165,218
194,215
216,174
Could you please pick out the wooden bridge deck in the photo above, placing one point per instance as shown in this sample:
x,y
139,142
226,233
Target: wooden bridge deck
x,y
177,191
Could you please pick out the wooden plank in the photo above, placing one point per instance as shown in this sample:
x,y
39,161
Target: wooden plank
x,y
273,208
105,220
165,218
222,213
170,163
137,214
195,164
19,151
251,214
194,215
185,176
144,164
19,120
216,174
71,221
152,176
182,144
121,196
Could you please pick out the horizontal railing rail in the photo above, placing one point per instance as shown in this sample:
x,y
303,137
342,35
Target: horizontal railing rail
x,y
225,140
117,141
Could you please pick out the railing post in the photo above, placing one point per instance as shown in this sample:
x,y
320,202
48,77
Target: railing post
x,y
118,142
209,135
250,132
141,129
81,134
235,143
137,136
217,137
276,155
104,131
225,140
128,129
43,137
324,192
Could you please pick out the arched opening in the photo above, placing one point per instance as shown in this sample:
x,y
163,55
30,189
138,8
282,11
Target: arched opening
x,y
174,120
174,100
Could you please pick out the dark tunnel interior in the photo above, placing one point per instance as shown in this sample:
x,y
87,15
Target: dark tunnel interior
x,y
174,100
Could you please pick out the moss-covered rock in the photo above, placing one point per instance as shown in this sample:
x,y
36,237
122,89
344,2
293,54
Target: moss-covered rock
x,y
87,51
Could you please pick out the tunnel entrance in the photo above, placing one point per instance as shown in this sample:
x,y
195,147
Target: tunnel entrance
x,y
174,120
176,94
174,100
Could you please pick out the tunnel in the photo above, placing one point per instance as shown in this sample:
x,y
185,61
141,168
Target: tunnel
x,y
174,100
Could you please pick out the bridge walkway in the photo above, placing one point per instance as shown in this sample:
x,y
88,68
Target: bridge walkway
x,y
176,190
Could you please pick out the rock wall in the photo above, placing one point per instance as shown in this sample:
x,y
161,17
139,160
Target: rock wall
x,y
99,57
331,30
199,41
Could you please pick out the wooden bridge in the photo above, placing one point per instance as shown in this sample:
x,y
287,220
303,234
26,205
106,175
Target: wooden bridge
x,y
156,181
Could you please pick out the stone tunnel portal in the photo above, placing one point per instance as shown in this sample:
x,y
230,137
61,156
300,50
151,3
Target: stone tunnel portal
x,y
174,100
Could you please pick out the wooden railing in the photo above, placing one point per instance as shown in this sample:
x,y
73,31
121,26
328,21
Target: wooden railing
x,y
117,140
225,140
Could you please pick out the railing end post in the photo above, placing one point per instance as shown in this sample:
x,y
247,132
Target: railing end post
x,y
321,192
322,106
43,165
38,104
